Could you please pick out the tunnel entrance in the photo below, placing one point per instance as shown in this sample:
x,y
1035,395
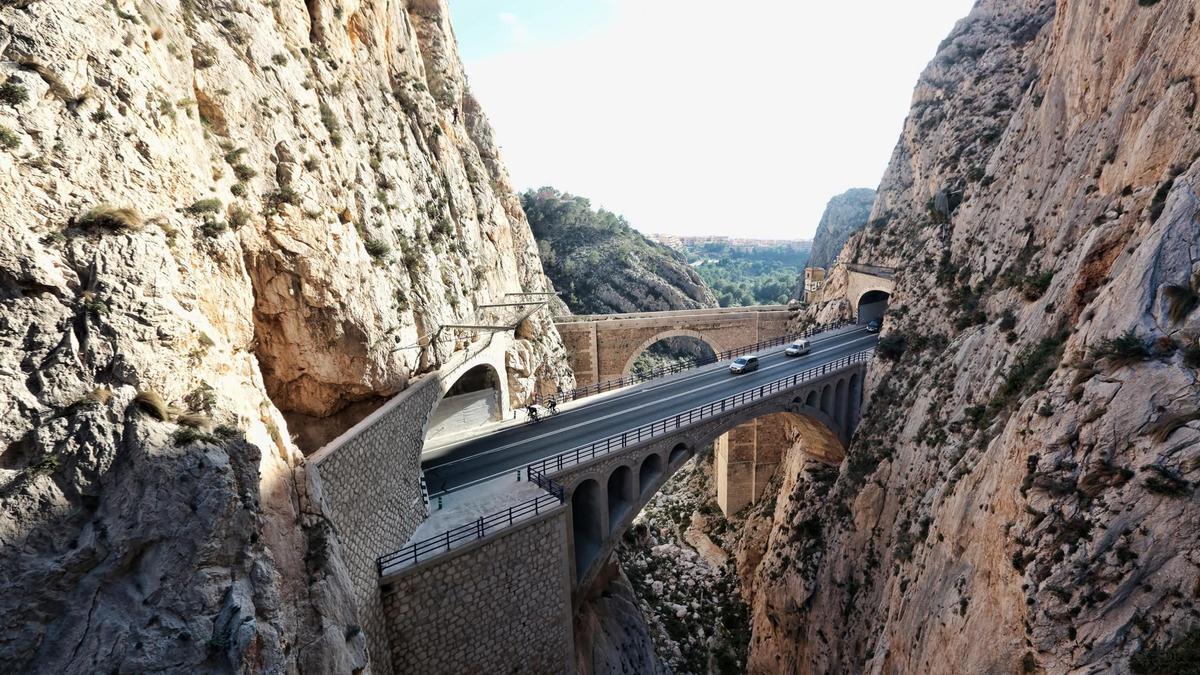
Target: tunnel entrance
x,y
872,305
472,400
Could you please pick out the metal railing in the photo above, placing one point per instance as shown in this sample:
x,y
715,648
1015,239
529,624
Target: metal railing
x,y
555,495
660,427
609,385
479,528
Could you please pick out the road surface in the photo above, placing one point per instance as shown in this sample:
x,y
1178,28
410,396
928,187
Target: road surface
x,y
469,461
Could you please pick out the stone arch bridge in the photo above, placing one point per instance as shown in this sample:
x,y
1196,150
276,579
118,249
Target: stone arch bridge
x,y
604,346
606,490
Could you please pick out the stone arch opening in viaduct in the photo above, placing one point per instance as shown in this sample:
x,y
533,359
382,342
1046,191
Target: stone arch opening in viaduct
x,y
606,496
649,342
603,347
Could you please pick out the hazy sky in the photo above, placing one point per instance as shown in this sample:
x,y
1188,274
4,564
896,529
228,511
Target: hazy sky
x,y
700,117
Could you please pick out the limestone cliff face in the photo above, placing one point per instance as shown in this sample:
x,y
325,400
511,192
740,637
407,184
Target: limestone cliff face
x,y
1021,494
844,215
243,212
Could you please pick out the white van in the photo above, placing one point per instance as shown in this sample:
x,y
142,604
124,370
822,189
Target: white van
x,y
798,348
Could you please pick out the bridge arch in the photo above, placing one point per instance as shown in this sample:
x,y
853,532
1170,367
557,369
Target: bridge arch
x,y
649,473
620,493
586,535
612,510
856,394
679,453
713,344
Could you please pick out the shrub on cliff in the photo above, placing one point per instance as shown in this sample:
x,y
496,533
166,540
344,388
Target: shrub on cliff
x,y
1035,286
1191,355
891,347
8,139
1181,657
1181,300
377,248
109,217
1122,350
13,92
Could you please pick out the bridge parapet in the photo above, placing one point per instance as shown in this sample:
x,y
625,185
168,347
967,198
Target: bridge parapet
x,y
632,379
674,313
603,346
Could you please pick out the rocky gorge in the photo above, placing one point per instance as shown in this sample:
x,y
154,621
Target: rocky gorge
x,y
1021,493
234,229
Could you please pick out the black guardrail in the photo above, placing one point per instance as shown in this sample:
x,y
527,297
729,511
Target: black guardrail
x,y
646,431
537,472
479,528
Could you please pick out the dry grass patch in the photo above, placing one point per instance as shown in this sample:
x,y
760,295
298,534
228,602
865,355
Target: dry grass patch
x,y
110,217
1168,424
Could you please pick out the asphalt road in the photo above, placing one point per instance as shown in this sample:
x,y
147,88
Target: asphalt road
x,y
464,463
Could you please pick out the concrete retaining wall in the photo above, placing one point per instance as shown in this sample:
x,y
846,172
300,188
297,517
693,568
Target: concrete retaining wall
x,y
501,605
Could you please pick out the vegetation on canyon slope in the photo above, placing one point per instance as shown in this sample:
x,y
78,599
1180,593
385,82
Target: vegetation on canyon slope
x,y
741,275
600,264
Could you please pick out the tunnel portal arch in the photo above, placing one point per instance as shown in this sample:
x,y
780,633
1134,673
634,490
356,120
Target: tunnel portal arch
x,y
473,398
872,305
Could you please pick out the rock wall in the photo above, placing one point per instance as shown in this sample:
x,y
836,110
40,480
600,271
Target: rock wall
x,y
844,215
224,224
611,635
1021,494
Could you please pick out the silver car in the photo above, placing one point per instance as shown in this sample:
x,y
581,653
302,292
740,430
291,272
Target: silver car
x,y
743,364
798,348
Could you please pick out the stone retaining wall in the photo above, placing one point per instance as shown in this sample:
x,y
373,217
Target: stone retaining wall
x,y
369,481
501,605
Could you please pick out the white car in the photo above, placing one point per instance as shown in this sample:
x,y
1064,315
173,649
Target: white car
x,y
798,348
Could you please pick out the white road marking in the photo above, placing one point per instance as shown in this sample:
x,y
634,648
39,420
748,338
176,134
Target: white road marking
x,y
637,390
626,411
